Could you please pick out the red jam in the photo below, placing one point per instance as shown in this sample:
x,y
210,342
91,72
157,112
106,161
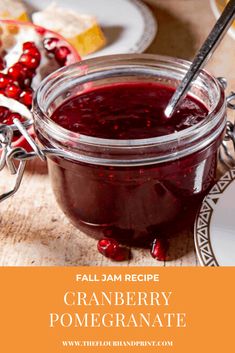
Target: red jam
x,y
137,203
127,111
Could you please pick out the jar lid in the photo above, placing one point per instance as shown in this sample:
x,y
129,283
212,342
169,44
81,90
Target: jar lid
x,y
214,231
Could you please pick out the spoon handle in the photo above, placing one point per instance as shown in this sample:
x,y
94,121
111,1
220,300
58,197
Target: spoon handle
x,y
203,55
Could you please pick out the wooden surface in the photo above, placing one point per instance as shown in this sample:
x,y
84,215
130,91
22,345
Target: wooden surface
x,y
34,232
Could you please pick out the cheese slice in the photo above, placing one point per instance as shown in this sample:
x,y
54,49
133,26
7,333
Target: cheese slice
x,y
13,9
82,31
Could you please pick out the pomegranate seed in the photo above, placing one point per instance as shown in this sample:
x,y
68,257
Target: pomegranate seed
x,y
107,247
17,72
111,249
26,97
29,61
4,80
10,118
61,54
50,44
12,91
3,113
26,83
40,30
121,254
2,63
28,45
159,249
33,52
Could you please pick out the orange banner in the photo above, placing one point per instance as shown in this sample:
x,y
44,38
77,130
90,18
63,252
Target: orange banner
x,y
88,309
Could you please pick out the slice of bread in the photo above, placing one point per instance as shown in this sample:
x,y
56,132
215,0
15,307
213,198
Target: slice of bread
x,y
82,31
13,9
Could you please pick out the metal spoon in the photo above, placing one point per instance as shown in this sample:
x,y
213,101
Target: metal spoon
x,y
203,55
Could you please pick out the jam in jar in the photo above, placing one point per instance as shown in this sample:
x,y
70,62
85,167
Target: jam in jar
x,y
121,168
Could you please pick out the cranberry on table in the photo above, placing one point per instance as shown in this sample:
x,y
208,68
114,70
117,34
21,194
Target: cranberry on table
x,y
108,247
159,249
111,249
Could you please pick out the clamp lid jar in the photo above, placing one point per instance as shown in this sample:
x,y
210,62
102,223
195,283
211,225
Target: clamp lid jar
x,y
133,188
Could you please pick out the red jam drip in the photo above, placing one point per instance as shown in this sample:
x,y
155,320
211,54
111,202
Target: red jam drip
x,y
132,204
127,111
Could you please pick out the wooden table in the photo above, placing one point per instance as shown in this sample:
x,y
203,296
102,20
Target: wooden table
x,y
34,232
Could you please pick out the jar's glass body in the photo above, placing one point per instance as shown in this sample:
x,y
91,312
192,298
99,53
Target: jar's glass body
x,y
130,190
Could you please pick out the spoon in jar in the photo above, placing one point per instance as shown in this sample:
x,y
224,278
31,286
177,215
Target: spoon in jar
x,y
202,57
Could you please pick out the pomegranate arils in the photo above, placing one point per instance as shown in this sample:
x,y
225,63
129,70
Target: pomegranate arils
x,y
33,52
10,118
3,113
26,97
7,117
159,249
107,247
4,80
17,72
2,63
29,61
28,45
110,248
61,54
12,91
40,30
50,44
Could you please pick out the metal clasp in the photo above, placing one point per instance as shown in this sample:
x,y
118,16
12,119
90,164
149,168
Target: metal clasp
x,y
226,157
9,155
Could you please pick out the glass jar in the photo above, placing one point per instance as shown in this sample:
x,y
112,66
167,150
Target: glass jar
x,y
130,190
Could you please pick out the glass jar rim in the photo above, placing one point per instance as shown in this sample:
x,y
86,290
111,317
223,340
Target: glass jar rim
x,y
130,61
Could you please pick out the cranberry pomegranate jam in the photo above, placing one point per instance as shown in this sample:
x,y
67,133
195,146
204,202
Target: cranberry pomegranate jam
x,y
122,170
127,111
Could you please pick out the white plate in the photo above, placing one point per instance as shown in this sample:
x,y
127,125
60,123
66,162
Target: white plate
x,y
129,25
214,231
217,6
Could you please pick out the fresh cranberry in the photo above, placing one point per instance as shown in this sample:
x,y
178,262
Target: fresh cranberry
x,y
9,120
50,44
3,113
12,91
26,97
29,61
159,249
61,54
4,80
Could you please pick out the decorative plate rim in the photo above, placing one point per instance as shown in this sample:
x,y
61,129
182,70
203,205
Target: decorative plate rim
x,y
150,28
202,238
217,13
